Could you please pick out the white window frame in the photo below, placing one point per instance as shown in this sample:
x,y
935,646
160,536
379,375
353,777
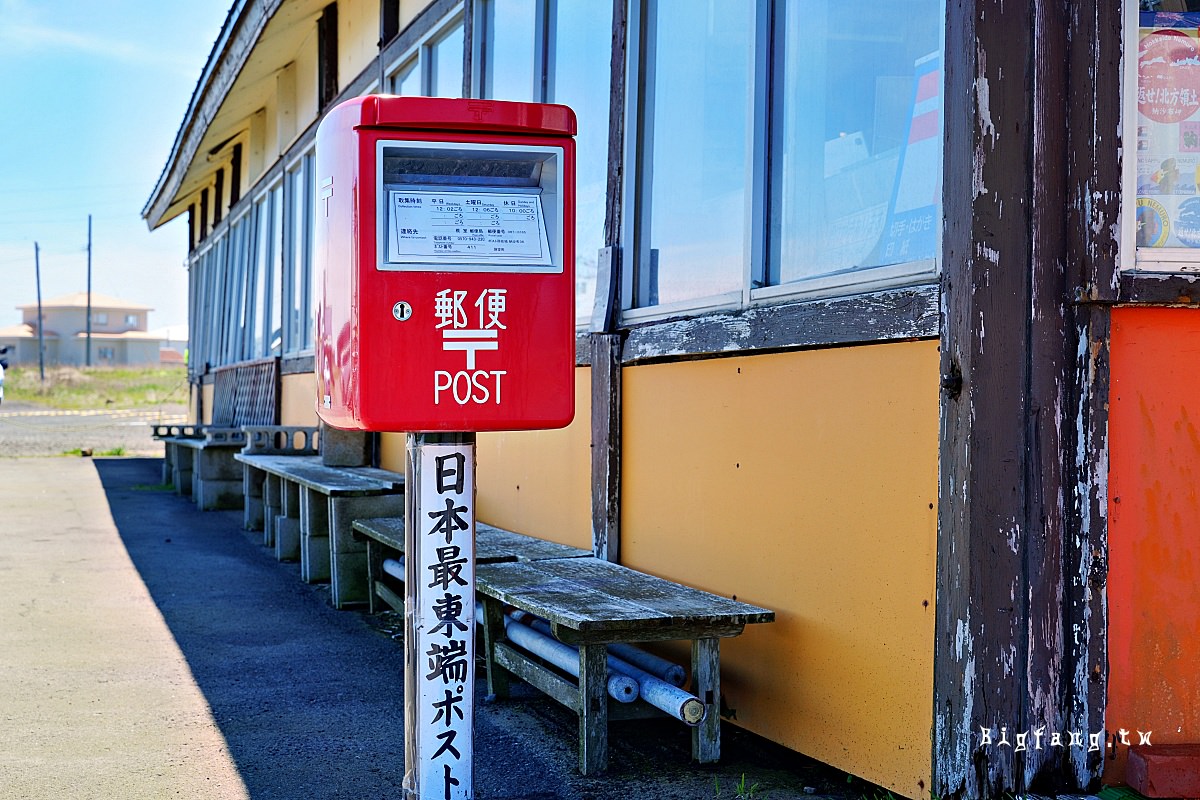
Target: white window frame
x,y
297,323
1131,258
635,222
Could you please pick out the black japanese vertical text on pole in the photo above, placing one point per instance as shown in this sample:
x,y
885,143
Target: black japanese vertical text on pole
x,y
439,616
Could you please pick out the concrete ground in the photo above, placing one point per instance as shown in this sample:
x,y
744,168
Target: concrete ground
x,y
148,650
31,430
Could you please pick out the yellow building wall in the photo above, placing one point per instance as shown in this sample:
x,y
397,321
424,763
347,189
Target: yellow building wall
x,y
409,9
806,483
206,393
358,38
306,82
539,482
193,412
391,451
298,405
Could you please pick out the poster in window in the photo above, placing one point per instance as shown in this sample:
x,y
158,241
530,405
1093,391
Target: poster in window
x,y
1168,130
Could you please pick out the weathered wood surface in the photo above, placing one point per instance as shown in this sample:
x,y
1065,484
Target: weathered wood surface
x,y
606,446
897,314
1032,191
491,544
601,601
308,471
1164,289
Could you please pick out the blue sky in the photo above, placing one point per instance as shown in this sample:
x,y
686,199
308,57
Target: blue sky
x,y
91,96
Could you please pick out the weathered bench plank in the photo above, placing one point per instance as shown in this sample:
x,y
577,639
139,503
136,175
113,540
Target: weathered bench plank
x,y
386,534
309,472
593,596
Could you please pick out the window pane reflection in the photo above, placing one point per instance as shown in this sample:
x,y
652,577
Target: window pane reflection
x,y
580,79
447,67
695,163
857,162
509,50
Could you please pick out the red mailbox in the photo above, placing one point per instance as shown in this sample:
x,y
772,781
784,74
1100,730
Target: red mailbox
x,y
445,259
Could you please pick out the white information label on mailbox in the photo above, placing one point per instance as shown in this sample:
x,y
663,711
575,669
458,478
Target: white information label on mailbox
x,y
440,226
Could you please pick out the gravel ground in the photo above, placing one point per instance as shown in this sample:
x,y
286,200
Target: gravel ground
x,y
28,430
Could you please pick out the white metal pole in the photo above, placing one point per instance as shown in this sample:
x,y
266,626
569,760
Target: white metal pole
x,y
439,616
37,271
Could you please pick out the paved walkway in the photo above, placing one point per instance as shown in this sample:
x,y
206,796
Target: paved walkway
x,y
148,650
96,697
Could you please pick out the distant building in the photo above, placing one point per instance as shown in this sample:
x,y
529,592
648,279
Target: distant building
x,y
119,332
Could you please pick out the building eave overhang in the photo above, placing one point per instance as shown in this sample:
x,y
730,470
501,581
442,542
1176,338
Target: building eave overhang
x,y
243,27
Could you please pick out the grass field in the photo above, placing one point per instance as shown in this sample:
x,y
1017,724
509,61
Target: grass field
x,y
97,387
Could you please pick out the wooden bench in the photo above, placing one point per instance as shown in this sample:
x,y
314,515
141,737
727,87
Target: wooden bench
x,y
308,509
592,603
385,538
202,465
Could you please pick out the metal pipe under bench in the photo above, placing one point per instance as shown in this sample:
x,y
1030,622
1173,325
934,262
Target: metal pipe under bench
x,y
592,604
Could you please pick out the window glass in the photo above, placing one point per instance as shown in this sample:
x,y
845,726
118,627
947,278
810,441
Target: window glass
x,y
446,66
1167,61
237,277
694,164
407,81
262,275
857,157
100,318
274,323
310,299
299,234
508,50
581,46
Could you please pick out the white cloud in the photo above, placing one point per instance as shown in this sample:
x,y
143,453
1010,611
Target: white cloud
x,y
20,30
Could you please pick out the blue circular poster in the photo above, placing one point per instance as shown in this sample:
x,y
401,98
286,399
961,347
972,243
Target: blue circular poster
x,y
1187,222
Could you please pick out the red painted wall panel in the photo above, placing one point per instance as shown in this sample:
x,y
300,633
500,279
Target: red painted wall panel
x,y
1154,527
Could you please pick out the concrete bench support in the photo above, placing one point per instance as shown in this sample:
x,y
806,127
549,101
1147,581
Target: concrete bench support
x,y
181,468
287,524
348,554
309,508
272,504
314,536
253,481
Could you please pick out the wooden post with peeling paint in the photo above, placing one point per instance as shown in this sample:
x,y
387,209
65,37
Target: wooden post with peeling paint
x,y
1019,637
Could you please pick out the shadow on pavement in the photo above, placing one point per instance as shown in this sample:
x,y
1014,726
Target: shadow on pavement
x,y
310,700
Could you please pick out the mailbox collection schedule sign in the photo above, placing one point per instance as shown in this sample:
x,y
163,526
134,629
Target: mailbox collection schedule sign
x,y
436,226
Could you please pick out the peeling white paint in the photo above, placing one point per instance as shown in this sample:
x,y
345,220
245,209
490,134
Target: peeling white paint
x,y
983,103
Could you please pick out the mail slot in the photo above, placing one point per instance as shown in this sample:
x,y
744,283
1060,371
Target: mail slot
x,y
444,251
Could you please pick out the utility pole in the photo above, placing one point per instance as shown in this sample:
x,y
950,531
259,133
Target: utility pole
x,y
87,359
37,272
